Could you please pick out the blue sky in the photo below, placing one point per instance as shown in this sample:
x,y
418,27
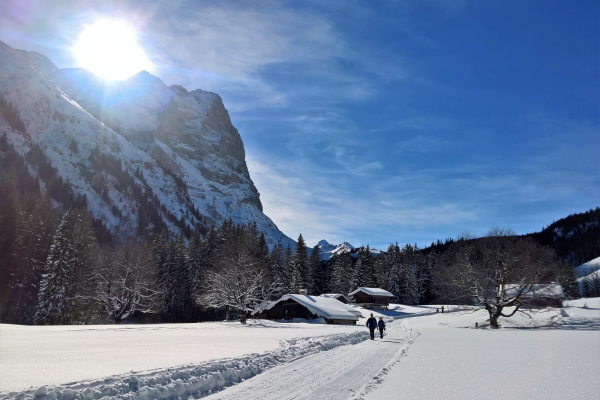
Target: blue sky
x,y
373,121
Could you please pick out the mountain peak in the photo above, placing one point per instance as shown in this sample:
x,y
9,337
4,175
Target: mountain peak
x,y
146,157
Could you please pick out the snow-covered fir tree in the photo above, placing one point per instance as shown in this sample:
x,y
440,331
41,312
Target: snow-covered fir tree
x,y
301,276
68,275
342,271
35,228
318,272
364,273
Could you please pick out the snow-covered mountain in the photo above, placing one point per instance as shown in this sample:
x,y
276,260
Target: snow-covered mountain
x,y
144,155
328,250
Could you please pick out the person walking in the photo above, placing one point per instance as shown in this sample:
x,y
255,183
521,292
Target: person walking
x,y
372,324
381,325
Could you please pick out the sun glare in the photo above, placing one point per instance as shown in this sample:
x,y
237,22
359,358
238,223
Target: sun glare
x,y
109,49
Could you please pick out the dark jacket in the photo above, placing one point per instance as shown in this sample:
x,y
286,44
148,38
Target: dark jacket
x,y
381,324
372,323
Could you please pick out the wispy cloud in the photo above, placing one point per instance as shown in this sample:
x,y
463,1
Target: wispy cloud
x,y
367,121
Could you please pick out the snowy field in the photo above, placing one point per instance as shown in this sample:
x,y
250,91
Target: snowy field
x,y
56,355
553,355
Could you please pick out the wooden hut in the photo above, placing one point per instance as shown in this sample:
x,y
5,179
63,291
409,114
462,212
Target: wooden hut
x,y
371,297
307,307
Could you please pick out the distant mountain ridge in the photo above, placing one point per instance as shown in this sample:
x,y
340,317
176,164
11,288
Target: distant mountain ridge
x,y
144,156
328,250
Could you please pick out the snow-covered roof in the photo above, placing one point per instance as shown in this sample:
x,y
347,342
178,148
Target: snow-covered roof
x,y
333,295
372,291
320,306
552,290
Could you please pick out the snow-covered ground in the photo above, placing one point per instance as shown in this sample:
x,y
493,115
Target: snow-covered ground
x,y
555,354
56,355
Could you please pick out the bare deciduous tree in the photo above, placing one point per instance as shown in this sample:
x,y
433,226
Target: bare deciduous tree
x,y
237,283
500,273
126,283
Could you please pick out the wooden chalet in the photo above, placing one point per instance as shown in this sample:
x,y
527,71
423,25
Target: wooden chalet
x,y
307,307
371,297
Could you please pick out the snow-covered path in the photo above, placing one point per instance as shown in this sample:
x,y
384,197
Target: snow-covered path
x,y
340,373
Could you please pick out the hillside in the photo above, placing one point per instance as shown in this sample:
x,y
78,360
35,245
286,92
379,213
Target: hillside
x,y
141,156
575,238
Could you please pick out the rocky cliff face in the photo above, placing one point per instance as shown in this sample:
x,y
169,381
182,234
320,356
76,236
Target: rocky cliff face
x,y
138,150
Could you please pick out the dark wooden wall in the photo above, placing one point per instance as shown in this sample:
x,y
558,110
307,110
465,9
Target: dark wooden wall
x,y
363,298
294,310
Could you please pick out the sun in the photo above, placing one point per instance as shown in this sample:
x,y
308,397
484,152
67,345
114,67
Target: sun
x,y
109,49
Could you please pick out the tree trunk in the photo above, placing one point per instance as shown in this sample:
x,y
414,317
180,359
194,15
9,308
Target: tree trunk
x,y
226,313
243,317
494,320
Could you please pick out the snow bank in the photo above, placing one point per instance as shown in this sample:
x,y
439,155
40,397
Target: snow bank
x,y
189,380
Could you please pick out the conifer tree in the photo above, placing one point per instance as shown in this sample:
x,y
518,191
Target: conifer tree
x,y
34,238
194,273
569,282
364,274
341,273
395,283
162,257
299,277
69,270
287,271
276,264
318,272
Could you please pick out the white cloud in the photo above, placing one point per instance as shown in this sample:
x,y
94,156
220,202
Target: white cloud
x,y
302,198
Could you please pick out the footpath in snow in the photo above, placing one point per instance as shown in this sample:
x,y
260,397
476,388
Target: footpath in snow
x,y
341,373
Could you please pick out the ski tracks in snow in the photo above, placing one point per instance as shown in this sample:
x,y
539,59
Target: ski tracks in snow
x,y
342,373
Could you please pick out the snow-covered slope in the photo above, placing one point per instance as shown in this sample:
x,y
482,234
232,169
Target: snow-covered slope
x,y
589,271
587,268
105,138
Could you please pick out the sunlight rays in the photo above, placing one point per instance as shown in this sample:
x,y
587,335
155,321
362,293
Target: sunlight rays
x,y
109,49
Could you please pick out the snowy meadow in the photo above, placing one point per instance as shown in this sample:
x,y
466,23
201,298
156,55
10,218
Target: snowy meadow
x,y
554,353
